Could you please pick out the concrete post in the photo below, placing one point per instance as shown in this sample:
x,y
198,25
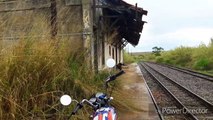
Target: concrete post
x,y
88,39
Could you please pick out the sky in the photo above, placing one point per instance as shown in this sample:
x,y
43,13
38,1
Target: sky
x,y
174,23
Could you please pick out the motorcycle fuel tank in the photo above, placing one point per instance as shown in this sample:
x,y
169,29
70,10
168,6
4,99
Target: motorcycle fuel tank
x,y
105,113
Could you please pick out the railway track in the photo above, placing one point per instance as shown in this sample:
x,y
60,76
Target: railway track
x,y
174,100
201,86
161,98
187,71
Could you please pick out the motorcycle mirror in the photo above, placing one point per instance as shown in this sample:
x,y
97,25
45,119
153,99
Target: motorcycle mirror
x,y
110,63
65,100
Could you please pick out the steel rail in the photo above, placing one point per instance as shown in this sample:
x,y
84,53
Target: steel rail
x,y
181,105
194,73
187,71
207,103
152,97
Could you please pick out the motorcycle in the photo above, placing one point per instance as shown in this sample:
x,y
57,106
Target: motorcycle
x,y
100,102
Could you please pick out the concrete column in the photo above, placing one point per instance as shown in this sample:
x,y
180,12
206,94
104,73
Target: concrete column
x,y
88,39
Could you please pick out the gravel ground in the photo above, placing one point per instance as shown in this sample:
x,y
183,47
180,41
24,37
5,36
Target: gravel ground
x,y
202,87
208,77
162,98
189,101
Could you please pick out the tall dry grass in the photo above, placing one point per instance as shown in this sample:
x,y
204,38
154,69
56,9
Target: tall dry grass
x,y
35,71
34,74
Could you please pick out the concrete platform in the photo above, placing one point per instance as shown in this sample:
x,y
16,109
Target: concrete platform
x,y
133,83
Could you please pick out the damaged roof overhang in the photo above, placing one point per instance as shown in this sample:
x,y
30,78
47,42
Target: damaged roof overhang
x,y
129,24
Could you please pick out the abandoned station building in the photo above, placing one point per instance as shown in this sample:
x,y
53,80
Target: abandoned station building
x,y
103,27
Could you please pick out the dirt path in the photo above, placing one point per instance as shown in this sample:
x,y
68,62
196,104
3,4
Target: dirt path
x,y
133,84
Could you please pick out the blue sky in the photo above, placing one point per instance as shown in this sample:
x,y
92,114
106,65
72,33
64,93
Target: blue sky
x,y
172,23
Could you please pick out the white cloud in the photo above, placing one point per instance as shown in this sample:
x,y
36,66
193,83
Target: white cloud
x,y
192,34
175,23
186,37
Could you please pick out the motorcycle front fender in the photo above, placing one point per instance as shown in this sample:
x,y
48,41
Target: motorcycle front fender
x,y
105,113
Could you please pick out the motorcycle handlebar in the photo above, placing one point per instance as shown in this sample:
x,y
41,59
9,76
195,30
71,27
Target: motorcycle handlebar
x,y
79,106
120,73
88,102
113,77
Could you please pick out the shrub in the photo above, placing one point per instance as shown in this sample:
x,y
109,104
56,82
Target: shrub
x,y
202,64
159,59
182,56
199,58
128,58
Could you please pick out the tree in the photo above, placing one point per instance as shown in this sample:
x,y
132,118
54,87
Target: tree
x,y
157,50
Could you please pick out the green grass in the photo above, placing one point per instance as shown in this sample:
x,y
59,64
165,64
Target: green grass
x,y
197,58
128,58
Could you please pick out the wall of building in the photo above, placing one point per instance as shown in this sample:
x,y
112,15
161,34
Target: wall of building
x,y
105,38
110,52
16,22
21,19
70,21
